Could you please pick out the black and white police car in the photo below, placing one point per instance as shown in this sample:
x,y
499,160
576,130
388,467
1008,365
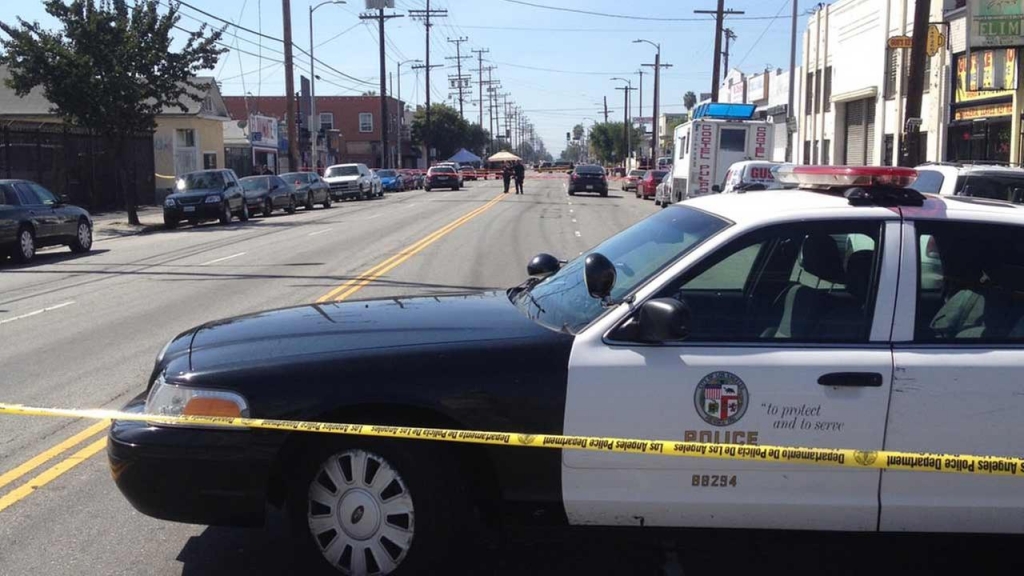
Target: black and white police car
x,y
851,312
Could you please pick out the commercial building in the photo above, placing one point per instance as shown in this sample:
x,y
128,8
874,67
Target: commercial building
x,y
350,125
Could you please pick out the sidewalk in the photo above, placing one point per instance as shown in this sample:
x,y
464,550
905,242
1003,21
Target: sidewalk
x,y
114,224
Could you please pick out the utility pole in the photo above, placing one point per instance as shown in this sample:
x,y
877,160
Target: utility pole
x,y
380,17
458,64
729,35
426,15
625,121
605,109
289,86
720,13
480,80
792,85
401,112
910,150
655,136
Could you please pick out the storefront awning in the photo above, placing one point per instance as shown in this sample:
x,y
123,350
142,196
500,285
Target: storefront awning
x,y
860,94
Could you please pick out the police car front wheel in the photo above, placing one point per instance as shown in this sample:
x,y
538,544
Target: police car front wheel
x,y
378,508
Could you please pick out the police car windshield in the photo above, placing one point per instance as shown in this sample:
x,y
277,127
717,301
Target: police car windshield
x,y
561,301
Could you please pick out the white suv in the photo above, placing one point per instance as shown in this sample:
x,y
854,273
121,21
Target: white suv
x,y
352,181
978,181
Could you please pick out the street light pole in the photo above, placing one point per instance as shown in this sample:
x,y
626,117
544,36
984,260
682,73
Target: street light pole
x,y
401,113
314,120
655,137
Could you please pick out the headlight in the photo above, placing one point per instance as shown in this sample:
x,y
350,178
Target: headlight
x,y
172,400
169,202
180,184
212,199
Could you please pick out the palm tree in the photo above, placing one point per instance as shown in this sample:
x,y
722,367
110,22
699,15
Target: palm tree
x,y
689,100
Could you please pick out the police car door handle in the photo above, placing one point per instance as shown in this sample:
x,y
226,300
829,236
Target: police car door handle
x,y
852,379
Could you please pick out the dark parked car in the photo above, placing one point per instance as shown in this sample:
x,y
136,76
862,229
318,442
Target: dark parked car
x,y
409,179
32,217
442,177
588,178
265,194
206,195
310,189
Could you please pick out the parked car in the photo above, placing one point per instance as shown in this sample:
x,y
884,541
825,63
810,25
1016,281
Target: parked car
x,y
376,186
468,173
391,180
663,193
978,181
265,194
421,178
350,181
408,179
632,180
206,195
648,185
749,175
587,178
310,189
710,322
442,177
32,217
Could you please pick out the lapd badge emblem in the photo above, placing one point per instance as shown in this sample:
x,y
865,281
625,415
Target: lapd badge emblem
x,y
721,398
865,458
527,439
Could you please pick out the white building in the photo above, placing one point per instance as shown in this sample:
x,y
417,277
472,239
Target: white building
x,y
853,94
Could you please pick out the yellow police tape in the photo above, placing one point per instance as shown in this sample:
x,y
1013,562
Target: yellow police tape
x,y
836,457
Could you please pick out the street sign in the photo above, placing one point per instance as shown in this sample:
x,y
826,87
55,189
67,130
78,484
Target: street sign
x,y
996,23
936,40
900,42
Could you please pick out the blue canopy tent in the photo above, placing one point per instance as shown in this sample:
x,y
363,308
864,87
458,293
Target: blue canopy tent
x,y
466,157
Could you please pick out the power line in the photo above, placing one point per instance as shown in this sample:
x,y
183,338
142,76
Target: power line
x,y
558,71
627,16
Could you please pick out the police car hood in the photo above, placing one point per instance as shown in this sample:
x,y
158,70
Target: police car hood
x,y
349,327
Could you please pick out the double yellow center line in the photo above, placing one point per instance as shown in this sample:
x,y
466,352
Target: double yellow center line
x,y
342,292
352,286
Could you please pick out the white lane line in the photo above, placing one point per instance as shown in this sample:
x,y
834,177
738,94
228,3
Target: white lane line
x,y
30,314
577,233
371,217
223,259
319,232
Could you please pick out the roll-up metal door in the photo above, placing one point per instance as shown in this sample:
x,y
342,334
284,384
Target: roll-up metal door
x,y
855,133
869,131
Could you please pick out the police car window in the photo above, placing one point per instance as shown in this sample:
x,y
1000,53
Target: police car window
x,y
801,282
561,301
928,181
979,269
733,139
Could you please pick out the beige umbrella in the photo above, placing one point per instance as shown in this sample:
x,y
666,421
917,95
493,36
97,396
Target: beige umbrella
x,y
503,156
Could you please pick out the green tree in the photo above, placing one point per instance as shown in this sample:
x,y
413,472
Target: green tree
x,y
606,140
448,130
477,139
577,132
109,68
689,100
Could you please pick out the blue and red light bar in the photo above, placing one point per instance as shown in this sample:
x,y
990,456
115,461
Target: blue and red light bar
x,y
824,177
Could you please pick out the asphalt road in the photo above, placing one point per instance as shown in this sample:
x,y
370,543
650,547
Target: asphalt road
x,y
106,314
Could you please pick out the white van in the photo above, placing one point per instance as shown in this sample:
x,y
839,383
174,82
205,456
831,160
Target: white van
x,y
718,136
748,175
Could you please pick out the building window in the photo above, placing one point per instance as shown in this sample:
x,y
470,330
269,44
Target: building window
x,y
887,154
817,92
365,122
809,99
185,138
922,151
327,121
826,153
828,90
807,152
891,67
209,160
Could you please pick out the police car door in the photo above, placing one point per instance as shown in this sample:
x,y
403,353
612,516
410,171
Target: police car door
x,y
958,351
788,346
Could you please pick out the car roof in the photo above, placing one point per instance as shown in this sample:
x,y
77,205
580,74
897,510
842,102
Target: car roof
x,y
769,206
972,169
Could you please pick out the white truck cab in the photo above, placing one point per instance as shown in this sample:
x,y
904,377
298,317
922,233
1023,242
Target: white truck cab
x,y
718,136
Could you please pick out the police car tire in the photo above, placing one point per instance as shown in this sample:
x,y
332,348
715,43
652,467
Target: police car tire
x,y
442,508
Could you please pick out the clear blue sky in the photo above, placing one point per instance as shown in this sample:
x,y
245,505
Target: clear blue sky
x,y
556,65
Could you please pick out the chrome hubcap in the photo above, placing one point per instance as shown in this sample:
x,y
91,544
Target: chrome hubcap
x,y
360,513
84,237
28,245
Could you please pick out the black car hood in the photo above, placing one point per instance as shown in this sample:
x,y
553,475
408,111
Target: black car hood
x,y
340,328
197,192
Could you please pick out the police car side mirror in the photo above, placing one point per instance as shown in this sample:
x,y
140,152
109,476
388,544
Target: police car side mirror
x,y
599,274
716,188
543,265
663,320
